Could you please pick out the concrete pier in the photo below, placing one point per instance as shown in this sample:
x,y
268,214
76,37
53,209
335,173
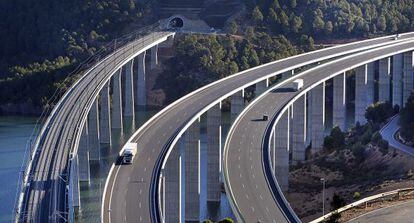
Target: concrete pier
x,y
288,74
192,172
308,118
282,151
339,101
298,127
407,76
397,70
129,90
83,156
74,184
213,153
117,101
154,56
104,115
261,87
172,187
318,116
93,132
370,83
237,104
361,93
141,86
384,79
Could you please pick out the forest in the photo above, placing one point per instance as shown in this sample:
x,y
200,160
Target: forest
x,y
44,40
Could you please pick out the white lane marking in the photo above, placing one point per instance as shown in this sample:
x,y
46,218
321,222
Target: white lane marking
x,y
110,195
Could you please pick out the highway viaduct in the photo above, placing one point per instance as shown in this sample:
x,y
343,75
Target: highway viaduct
x,y
297,120
84,117
178,124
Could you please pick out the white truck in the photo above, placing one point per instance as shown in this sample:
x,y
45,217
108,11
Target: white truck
x,y
297,84
128,153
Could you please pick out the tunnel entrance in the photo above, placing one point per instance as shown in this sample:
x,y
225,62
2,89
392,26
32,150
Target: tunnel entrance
x,y
176,23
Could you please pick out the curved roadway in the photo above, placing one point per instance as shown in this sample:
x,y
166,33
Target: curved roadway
x,y
130,193
43,199
253,189
388,133
401,213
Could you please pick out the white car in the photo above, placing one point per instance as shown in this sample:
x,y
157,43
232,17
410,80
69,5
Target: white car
x,y
396,37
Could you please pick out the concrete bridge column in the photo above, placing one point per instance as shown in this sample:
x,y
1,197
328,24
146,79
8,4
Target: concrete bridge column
x,y
361,92
192,173
105,122
339,101
288,74
318,116
154,56
213,153
83,156
397,70
237,104
299,129
129,90
261,86
308,117
74,184
407,76
141,86
172,187
384,79
117,101
282,151
370,83
93,132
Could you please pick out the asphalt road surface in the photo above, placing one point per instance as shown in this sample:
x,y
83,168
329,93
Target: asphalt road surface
x,y
388,133
400,213
244,153
130,192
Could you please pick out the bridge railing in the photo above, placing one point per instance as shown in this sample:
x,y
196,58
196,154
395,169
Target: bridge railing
x,y
43,120
365,201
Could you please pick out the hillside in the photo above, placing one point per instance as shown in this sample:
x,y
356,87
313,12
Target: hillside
x,y
44,40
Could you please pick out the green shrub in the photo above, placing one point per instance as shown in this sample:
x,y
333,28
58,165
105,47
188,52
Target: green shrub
x,y
357,195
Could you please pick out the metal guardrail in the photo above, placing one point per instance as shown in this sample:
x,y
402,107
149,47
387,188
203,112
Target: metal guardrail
x,y
364,201
33,142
